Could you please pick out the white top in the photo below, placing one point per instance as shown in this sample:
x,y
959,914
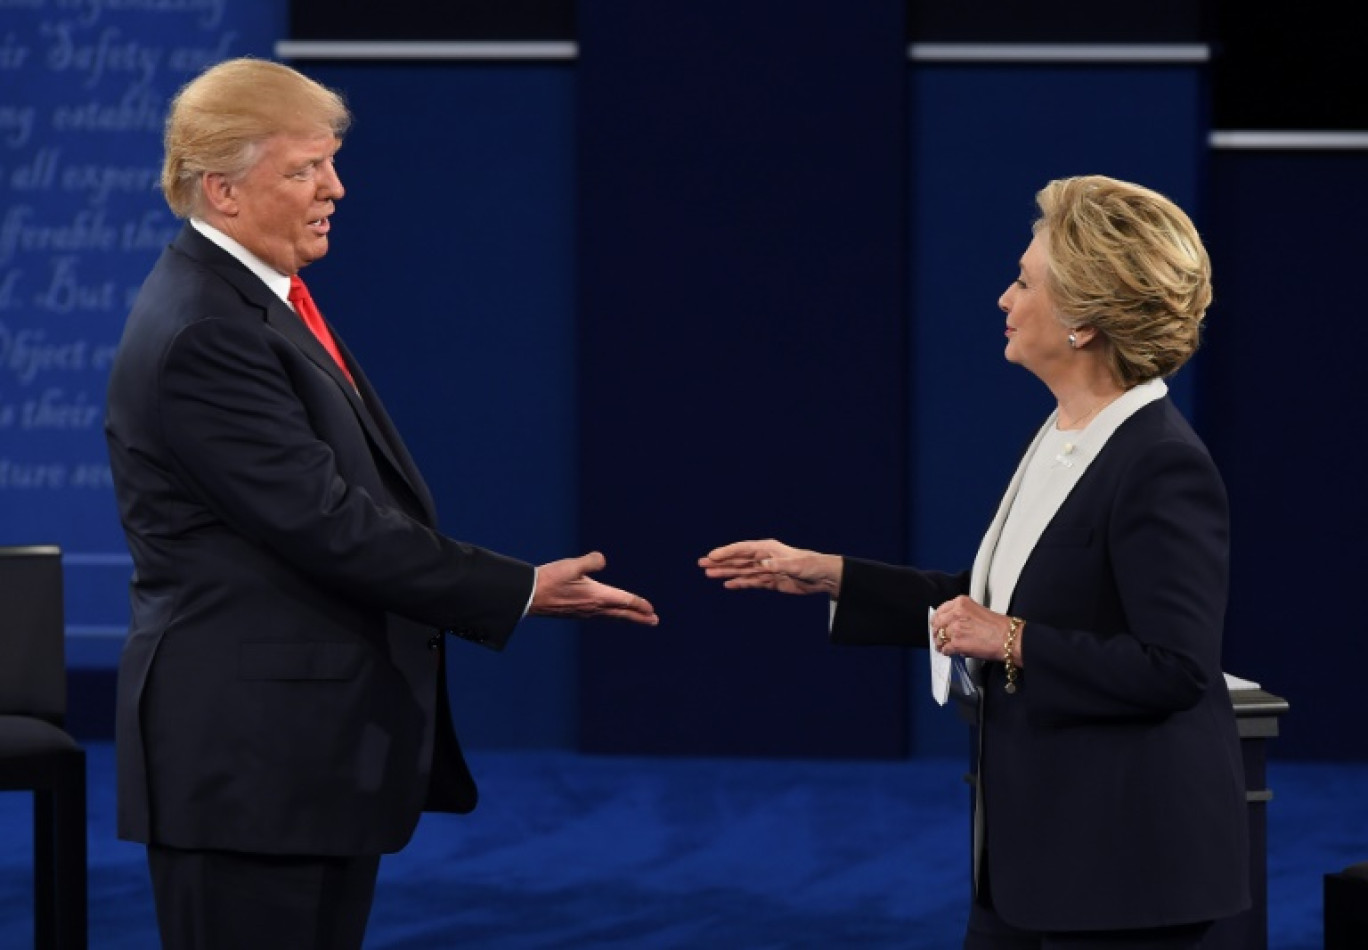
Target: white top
x,y
1046,464
1002,554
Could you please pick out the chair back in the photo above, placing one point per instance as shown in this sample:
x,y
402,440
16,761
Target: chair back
x,y
32,633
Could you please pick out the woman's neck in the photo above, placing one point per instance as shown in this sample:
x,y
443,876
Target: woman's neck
x,y
1081,404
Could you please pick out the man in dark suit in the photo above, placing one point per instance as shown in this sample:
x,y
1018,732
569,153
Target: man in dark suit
x,y
282,716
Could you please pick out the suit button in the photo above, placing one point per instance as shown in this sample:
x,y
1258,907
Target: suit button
x,y
434,642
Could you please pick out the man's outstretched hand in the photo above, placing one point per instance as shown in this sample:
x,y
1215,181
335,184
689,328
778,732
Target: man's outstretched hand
x,y
565,589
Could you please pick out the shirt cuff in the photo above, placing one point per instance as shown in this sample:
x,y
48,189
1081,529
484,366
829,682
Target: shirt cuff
x,y
532,593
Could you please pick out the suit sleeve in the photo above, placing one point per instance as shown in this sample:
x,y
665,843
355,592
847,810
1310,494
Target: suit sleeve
x,y
242,437
885,605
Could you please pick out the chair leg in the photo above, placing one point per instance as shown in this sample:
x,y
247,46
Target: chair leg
x,y
44,877
60,872
71,870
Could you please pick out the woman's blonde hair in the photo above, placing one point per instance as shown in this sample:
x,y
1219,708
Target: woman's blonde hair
x,y
1128,261
219,120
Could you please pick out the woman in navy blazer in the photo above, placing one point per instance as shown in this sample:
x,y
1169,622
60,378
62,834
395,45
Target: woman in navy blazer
x,y
282,716
1109,804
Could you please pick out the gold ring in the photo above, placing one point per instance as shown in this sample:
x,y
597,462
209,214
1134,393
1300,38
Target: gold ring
x,y
941,638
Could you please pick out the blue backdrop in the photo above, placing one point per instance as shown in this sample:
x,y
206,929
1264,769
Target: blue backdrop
x,y
730,272
85,87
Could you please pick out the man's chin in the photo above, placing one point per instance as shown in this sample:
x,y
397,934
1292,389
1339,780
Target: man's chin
x,y
318,249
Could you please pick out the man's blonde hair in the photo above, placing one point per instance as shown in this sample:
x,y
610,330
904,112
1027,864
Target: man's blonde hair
x,y
220,119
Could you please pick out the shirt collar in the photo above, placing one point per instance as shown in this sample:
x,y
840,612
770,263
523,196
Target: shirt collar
x,y
274,279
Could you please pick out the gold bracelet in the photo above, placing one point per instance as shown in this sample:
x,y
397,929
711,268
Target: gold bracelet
x,y
1013,625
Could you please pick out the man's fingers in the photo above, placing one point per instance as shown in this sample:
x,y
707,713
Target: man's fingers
x,y
593,561
637,609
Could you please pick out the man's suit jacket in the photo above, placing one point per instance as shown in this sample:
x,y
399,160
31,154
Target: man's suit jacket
x,y
281,689
1112,780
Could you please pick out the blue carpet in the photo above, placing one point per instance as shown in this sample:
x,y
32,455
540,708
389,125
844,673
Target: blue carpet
x,y
603,852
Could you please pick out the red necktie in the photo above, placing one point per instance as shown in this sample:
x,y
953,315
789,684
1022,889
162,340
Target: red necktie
x,y
308,312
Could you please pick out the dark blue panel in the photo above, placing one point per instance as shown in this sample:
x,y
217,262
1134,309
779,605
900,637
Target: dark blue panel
x,y
1055,21
464,20
1279,402
83,94
451,278
1301,69
985,139
741,247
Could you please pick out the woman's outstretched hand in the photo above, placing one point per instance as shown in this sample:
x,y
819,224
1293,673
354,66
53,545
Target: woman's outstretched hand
x,y
773,565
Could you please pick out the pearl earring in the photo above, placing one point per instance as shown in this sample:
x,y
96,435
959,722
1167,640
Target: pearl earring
x,y
1073,340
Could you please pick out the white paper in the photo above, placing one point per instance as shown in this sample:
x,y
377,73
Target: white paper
x,y
1234,682
940,665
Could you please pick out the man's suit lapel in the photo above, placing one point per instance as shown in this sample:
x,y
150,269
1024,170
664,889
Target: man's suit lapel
x,y
363,398
383,431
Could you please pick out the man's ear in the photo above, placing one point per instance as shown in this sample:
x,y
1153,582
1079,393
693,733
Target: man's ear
x,y
219,193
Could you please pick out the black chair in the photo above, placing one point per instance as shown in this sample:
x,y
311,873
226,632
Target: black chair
x,y
1346,908
36,753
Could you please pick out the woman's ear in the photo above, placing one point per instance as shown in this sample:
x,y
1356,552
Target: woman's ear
x,y
1079,337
